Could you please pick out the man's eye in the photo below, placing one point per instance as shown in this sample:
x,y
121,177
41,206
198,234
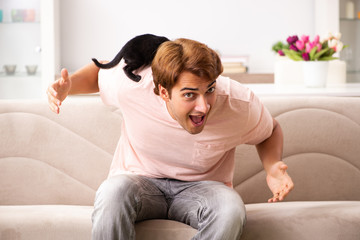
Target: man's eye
x,y
188,95
211,90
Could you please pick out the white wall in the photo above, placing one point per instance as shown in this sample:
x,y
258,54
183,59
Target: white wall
x,y
99,28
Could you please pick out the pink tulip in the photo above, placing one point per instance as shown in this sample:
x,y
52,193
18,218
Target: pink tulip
x,y
292,39
292,47
316,39
281,53
306,56
308,47
300,45
304,38
319,47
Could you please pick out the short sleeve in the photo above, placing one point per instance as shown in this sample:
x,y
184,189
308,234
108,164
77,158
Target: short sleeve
x,y
109,85
260,122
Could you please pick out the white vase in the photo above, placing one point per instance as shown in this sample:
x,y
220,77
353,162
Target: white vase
x,y
315,73
287,72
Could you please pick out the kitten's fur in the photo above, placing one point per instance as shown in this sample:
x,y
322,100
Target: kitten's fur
x,y
138,52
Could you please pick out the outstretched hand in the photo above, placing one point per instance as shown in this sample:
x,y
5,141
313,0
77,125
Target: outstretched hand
x,y
279,181
58,91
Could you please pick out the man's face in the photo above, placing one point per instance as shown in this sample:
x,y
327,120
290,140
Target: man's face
x,y
191,100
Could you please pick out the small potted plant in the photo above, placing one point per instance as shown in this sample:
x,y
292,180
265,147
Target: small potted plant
x,y
315,55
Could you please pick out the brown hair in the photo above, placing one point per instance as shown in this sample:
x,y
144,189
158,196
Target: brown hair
x,y
174,57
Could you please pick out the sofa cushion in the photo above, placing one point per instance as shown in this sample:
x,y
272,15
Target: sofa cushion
x,y
163,230
70,222
303,220
55,222
286,220
330,220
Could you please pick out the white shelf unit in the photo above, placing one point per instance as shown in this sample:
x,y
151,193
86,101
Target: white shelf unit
x,y
28,41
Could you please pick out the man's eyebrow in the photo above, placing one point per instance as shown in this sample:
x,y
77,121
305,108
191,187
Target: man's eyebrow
x,y
211,83
196,89
190,89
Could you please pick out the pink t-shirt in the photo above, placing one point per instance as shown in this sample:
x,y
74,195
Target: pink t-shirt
x,y
153,144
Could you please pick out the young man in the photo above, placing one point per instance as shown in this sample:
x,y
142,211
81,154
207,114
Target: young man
x,y
175,157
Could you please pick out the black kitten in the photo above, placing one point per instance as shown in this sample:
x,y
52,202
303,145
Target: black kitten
x,y
138,52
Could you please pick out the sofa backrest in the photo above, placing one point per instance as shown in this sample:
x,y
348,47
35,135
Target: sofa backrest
x,y
62,159
55,159
321,148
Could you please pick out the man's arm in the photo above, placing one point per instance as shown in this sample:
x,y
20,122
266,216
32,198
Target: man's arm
x,y
85,80
270,153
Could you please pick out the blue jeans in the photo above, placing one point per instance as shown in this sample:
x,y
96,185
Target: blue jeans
x,y
214,209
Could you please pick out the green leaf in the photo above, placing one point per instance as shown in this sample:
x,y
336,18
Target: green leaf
x,y
331,52
312,53
319,54
296,56
325,45
279,46
327,58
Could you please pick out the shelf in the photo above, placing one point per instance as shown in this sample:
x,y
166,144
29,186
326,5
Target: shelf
x,y
350,19
21,86
3,75
338,90
16,23
251,77
29,33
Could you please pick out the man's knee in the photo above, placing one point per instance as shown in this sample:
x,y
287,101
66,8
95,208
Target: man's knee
x,y
115,189
114,208
232,210
225,212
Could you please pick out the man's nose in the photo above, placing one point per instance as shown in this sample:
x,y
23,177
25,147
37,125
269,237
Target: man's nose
x,y
202,105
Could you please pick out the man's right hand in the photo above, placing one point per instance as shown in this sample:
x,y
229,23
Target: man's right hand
x,y
58,91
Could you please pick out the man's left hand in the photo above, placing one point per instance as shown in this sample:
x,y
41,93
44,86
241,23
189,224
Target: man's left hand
x,y
279,181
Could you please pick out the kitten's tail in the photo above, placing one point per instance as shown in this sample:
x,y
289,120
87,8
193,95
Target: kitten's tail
x,y
111,64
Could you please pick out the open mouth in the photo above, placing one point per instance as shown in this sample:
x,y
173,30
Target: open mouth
x,y
197,120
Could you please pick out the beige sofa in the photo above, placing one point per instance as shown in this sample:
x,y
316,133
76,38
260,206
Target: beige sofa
x,y
51,166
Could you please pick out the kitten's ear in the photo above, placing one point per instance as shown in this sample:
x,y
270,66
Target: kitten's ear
x,y
164,94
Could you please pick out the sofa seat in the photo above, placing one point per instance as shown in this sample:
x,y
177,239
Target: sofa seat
x,y
55,222
320,220
163,230
71,222
331,220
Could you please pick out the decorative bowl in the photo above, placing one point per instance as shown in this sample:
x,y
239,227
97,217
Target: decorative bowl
x,y
31,69
10,69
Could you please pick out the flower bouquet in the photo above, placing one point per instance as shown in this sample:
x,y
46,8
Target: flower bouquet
x,y
315,56
302,49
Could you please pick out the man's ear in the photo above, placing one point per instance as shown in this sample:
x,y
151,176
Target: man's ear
x,y
164,94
